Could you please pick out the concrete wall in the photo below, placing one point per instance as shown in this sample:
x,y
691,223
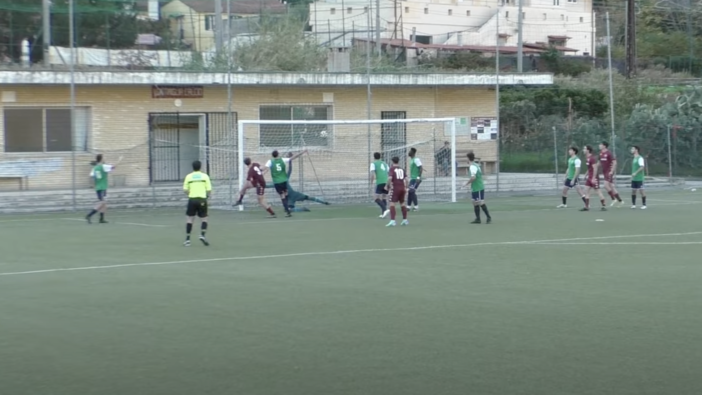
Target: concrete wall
x,y
119,124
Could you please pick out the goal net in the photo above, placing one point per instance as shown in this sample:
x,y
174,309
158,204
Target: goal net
x,y
336,167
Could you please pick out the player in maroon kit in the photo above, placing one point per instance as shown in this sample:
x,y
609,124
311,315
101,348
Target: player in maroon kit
x,y
608,164
255,179
397,189
592,180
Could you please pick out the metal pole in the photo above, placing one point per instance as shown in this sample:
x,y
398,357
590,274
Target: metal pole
x,y
497,96
240,150
71,38
377,27
218,26
520,38
46,19
230,104
343,27
369,97
555,153
453,161
611,84
670,159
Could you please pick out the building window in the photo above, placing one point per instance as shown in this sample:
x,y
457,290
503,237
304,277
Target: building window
x,y
523,15
562,17
572,1
406,9
468,13
582,19
556,2
426,10
290,136
209,22
332,11
45,129
450,12
349,10
506,14
545,16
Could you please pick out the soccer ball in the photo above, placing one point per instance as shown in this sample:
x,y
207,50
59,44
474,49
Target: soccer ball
x,y
323,133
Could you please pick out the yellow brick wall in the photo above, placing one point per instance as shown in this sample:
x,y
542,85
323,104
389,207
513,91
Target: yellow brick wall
x,y
120,122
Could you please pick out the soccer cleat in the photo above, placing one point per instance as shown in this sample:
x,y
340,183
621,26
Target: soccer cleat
x,y
489,220
562,206
614,203
415,208
186,243
475,221
584,209
102,221
87,218
391,223
204,241
288,215
385,214
237,204
271,216
326,203
643,207
633,207
404,222
603,208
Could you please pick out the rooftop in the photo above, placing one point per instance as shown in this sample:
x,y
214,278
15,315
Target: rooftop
x,y
29,77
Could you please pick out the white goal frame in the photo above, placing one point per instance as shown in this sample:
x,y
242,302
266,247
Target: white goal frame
x,y
241,128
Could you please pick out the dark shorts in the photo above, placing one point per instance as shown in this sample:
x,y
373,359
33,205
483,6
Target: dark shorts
x,y
478,196
101,195
281,188
197,207
414,184
596,184
260,189
637,185
571,183
380,189
397,195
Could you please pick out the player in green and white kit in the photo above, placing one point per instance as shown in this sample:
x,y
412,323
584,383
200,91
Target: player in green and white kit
x,y
477,189
572,174
279,174
379,174
637,177
99,174
415,179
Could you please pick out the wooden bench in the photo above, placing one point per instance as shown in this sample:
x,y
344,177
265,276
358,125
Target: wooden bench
x,y
23,179
488,165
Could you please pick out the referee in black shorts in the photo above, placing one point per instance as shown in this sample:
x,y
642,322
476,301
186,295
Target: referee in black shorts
x,y
197,186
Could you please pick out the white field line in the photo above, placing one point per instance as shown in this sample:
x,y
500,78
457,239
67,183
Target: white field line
x,y
120,223
651,243
340,252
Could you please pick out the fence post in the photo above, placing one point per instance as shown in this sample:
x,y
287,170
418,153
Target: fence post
x,y
670,160
555,153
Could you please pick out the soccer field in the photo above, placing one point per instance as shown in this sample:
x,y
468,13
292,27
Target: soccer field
x,y
542,301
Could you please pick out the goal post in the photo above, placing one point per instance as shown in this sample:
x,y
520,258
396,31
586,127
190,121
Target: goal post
x,y
336,166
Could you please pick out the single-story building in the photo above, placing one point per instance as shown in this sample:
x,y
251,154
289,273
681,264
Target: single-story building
x,y
160,122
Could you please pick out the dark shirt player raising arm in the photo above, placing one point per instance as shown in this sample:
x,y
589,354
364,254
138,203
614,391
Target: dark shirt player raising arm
x,y
198,187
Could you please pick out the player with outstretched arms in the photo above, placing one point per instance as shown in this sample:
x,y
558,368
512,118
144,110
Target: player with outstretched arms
x,y
295,196
379,174
255,179
608,164
397,189
198,187
477,190
592,179
99,174
415,178
572,173
279,174
638,167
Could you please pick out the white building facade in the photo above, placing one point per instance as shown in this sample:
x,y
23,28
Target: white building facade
x,y
567,24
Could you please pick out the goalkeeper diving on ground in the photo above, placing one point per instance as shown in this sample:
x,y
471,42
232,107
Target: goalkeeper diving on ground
x,y
259,183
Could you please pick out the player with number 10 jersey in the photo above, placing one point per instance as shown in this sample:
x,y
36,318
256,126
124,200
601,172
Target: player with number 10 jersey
x,y
398,190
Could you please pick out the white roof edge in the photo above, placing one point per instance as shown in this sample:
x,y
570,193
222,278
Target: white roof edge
x,y
300,79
